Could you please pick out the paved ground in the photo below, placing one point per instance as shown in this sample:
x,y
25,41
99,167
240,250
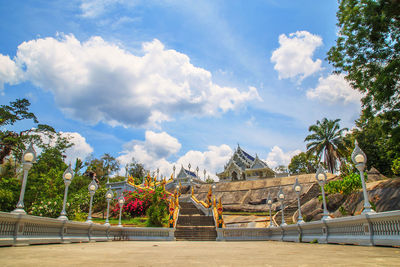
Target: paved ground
x,y
261,253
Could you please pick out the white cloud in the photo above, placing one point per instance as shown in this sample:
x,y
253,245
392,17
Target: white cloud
x,y
334,89
294,56
277,157
95,8
80,148
98,81
9,72
155,150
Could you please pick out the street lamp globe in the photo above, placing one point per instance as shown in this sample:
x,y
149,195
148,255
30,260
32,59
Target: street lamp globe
x,y
29,155
359,158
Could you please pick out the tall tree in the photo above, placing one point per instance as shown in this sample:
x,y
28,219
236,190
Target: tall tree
x,y
303,163
368,50
12,142
326,141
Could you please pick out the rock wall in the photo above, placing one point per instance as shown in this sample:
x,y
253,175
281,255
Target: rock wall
x,y
252,195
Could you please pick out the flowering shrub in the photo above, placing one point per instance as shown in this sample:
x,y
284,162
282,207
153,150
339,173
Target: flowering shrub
x,y
47,208
137,203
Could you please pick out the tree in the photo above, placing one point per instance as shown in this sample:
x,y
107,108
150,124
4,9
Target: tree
x,y
103,167
136,170
379,138
303,163
327,141
368,50
12,142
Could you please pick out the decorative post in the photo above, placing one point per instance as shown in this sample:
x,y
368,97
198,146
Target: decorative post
x,y
321,178
109,197
67,176
126,173
171,209
297,188
220,219
197,171
158,173
28,158
121,201
173,168
360,159
281,197
92,189
204,174
269,202
189,166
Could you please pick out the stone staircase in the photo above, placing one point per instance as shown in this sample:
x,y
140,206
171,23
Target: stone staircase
x,y
192,225
290,209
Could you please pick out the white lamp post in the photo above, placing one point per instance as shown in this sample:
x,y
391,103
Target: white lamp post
x,y
204,174
189,166
360,159
28,158
158,173
67,176
197,171
109,197
174,168
269,202
297,188
121,201
321,178
281,198
126,172
92,189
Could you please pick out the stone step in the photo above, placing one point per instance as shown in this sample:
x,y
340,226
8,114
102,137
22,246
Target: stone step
x,y
188,211
195,220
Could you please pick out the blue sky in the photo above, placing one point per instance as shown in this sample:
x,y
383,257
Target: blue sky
x,y
172,82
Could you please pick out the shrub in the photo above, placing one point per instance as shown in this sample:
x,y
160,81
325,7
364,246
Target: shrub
x,y
346,185
157,212
396,166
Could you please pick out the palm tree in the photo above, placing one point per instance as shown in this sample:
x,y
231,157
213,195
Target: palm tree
x,y
327,141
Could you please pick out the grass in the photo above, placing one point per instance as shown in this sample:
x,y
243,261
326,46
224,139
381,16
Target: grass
x,y
132,222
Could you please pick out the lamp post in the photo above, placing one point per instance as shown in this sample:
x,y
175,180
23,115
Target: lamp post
x,y
109,197
321,178
126,173
28,158
189,166
204,174
197,171
92,189
269,202
158,173
67,176
297,188
173,168
121,201
360,159
281,197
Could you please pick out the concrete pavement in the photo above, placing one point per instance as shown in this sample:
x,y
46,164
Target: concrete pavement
x,y
257,253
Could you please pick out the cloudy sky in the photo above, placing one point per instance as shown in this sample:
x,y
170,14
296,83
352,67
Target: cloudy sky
x,y
174,81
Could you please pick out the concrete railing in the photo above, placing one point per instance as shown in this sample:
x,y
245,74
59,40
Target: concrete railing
x,y
379,229
20,229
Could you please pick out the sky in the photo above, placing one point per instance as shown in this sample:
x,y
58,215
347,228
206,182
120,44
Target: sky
x,y
175,82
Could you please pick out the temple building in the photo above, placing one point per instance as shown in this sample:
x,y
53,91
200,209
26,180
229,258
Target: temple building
x,y
243,166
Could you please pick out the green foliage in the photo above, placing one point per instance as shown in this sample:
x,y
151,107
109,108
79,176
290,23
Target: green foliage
x,y
158,210
103,167
346,185
303,163
327,141
368,50
379,138
136,170
396,166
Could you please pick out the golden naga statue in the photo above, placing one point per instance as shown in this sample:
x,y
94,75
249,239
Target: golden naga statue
x,y
131,180
220,219
209,195
171,209
163,182
214,202
192,191
180,189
